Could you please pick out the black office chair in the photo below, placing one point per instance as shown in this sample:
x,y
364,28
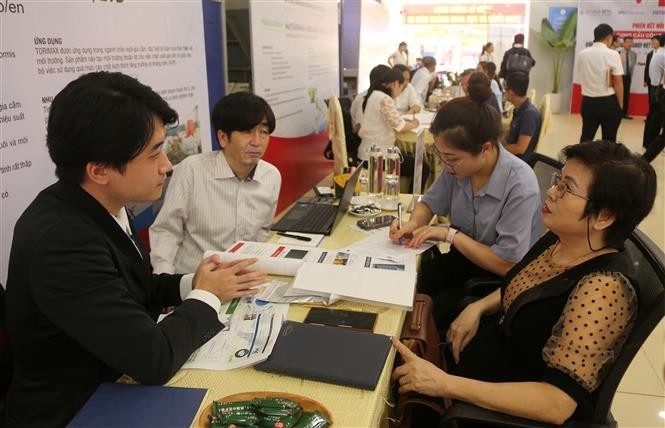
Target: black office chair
x,y
543,166
649,263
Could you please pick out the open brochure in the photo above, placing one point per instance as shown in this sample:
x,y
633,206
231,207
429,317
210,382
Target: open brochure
x,y
321,272
250,330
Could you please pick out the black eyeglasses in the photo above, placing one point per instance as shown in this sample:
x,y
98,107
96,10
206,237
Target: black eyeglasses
x,y
561,187
438,154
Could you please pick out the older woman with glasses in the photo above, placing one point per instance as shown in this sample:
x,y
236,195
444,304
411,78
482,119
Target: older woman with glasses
x,y
565,310
491,197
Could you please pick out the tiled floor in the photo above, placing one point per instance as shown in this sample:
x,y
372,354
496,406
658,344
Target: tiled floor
x,y
641,394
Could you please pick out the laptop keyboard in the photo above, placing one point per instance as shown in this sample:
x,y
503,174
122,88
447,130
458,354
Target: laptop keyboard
x,y
316,218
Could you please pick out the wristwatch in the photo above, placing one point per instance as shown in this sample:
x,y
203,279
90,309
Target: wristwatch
x,y
451,235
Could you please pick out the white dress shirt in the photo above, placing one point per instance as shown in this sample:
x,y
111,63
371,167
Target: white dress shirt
x,y
657,67
207,207
186,291
593,65
408,98
399,57
357,108
420,82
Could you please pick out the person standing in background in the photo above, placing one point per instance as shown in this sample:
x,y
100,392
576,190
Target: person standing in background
x,y
400,56
656,118
601,78
628,59
655,44
487,53
518,50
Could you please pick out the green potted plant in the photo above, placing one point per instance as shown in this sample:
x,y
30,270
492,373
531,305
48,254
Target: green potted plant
x,y
559,43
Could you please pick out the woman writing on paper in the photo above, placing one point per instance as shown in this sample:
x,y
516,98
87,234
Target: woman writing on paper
x,y
380,120
408,100
565,310
491,197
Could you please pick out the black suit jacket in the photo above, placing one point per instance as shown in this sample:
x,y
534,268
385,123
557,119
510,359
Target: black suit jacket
x,y
81,309
647,79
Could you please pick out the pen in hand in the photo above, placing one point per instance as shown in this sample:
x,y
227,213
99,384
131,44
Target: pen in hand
x,y
298,237
399,215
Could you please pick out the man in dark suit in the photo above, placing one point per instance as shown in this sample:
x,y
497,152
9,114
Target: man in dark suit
x,y
655,44
628,60
81,301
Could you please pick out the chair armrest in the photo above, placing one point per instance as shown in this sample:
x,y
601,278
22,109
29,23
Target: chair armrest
x,y
481,286
469,412
472,413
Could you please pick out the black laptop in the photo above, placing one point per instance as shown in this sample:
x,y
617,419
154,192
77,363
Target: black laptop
x,y
317,216
329,354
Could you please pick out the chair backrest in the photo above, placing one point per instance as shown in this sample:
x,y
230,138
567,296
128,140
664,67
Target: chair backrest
x,y
532,96
649,262
545,116
544,167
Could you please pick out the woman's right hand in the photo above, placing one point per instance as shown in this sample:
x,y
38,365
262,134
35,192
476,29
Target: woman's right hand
x,y
463,329
401,235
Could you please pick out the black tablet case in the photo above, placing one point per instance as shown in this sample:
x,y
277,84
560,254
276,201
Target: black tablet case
x,y
329,354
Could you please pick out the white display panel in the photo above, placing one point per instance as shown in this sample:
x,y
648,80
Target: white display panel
x,y
295,61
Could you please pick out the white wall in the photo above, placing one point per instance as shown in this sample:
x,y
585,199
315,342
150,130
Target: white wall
x,y
541,74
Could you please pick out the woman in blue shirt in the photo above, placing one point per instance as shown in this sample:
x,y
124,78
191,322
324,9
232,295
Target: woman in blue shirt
x,y
491,197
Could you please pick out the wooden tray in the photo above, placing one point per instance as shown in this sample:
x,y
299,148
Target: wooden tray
x,y
307,404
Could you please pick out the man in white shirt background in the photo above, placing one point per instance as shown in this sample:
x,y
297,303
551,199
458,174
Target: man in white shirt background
x,y
601,76
400,56
215,199
424,78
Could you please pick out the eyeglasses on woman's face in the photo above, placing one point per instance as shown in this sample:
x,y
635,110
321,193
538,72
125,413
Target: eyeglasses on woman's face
x,y
561,187
444,161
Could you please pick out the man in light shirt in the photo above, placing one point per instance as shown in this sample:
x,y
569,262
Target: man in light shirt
x,y
81,301
601,75
424,78
215,199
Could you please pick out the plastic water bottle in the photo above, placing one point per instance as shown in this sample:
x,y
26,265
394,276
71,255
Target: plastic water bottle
x,y
391,181
375,170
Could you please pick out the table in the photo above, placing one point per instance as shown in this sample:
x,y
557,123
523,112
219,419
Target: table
x,y
350,407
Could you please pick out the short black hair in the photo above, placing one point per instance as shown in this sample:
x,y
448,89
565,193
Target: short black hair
x,y
601,32
467,123
105,118
241,111
624,184
519,38
518,82
628,38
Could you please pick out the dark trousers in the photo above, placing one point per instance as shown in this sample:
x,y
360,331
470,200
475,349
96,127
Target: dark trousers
x,y
600,111
656,117
626,93
442,277
407,170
